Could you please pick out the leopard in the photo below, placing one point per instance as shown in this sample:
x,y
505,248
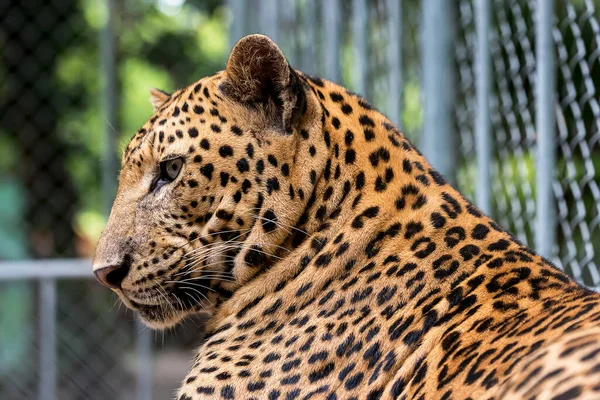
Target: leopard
x,y
329,258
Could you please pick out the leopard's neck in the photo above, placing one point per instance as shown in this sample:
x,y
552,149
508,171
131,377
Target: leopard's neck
x,y
379,209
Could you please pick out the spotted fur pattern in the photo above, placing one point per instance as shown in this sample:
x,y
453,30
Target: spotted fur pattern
x,y
334,261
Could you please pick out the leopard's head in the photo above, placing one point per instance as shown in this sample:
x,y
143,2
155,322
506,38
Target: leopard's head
x,y
210,185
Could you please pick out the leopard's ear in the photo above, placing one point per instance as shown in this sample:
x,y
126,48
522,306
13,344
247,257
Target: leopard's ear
x,y
158,98
258,74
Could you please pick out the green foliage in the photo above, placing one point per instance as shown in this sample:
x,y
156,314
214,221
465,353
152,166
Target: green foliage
x,y
12,237
137,77
412,113
8,155
162,44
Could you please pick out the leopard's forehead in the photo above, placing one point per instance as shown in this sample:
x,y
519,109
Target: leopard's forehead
x,y
181,118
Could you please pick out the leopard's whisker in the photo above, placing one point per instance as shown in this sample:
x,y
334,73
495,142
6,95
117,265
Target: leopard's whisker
x,y
208,278
200,293
200,269
207,248
215,233
194,264
211,245
295,228
277,223
222,248
195,284
195,261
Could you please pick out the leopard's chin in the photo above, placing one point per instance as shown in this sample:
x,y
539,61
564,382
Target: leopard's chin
x,y
160,316
163,315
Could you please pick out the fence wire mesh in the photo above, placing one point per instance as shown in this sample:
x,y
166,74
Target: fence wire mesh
x,y
577,37
60,119
512,112
51,171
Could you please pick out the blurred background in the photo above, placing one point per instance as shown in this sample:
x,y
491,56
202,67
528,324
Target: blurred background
x,y
461,78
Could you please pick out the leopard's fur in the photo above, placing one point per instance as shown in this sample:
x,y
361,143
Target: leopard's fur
x,y
335,262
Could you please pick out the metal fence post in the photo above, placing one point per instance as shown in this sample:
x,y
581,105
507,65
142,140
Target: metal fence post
x,y
144,361
109,107
47,332
359,39
545,162
438,141
287,22
110,98
268,18
252,17
237,21
482,85
331,29
394,55
308,55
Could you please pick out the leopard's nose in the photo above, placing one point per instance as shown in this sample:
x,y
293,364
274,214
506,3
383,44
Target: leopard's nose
x,y
112,276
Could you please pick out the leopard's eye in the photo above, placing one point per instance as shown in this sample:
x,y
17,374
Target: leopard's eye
x,y
169,170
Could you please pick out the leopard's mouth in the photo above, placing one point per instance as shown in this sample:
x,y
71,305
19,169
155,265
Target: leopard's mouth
x,y
150,312
168,305
165,314
175,296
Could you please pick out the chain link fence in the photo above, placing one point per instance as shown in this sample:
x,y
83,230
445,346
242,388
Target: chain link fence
x,y
512,110
459,77
74,80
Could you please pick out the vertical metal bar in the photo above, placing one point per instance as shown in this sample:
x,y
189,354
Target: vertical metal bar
x,y
269,21
482,86
109,106
287,26
252,9
439,141
144,358
545,162
394,55
237,21
331,26
309,56
47,332
359,38
109,173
